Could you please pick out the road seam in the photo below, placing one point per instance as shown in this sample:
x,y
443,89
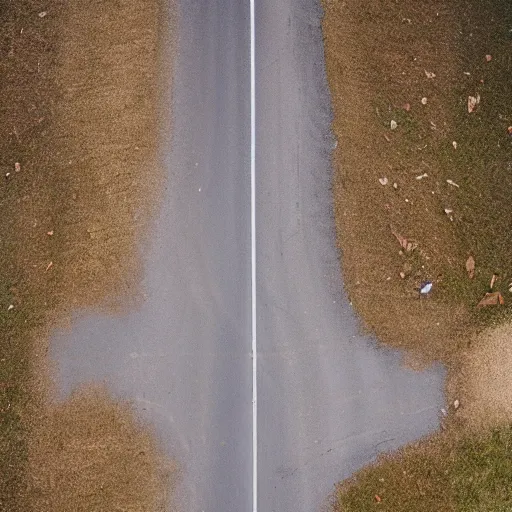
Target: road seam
x,y
253,272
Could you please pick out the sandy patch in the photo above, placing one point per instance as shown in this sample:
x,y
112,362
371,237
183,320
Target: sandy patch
x,y
483,379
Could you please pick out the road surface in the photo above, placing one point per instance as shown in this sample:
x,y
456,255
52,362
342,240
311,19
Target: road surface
x,y
328,399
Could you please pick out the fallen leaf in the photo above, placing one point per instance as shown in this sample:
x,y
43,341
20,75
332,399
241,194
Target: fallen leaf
x,y
50,233
488,58
383,181
421,176
49,266
454,144
456,404
42,14
473,101
491,299
493,281
378,499
393,124
407,245
17,167
470,267
424,101
430,74
509,130
452,183
407,107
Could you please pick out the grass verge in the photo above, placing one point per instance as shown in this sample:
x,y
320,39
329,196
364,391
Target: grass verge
x,y
79,180
414,166
443,474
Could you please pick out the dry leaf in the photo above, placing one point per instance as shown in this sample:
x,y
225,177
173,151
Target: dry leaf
x,y
383,181
407,245
452,183
493,281
491,299
473,101
470,267
488,58
430,74
393,124
424,101
17,167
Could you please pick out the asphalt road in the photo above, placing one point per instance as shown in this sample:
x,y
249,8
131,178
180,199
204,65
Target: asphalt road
x,y
329,399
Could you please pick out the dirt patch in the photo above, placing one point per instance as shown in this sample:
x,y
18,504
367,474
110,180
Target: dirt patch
x,y
400,75
484,380
79,185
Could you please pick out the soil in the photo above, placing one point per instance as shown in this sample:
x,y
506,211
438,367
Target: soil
x,y
79,184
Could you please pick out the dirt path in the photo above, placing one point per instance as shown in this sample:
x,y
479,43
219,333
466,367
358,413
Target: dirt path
x,y
77,139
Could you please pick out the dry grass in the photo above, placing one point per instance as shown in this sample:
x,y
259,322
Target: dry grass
x,y
483,378
90,454
440,474
377,54
77,104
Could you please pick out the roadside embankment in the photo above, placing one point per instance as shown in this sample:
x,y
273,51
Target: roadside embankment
x,y
80,182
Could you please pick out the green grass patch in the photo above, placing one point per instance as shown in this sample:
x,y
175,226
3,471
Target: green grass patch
x,y
442,474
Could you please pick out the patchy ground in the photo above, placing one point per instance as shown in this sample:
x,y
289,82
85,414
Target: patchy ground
x,y
79,178
423,117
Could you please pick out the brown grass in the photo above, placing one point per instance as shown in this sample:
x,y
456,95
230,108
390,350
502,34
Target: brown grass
x,y
377,54
90,454
78,95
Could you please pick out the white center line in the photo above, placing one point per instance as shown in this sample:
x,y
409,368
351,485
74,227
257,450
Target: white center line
x,y
253,276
